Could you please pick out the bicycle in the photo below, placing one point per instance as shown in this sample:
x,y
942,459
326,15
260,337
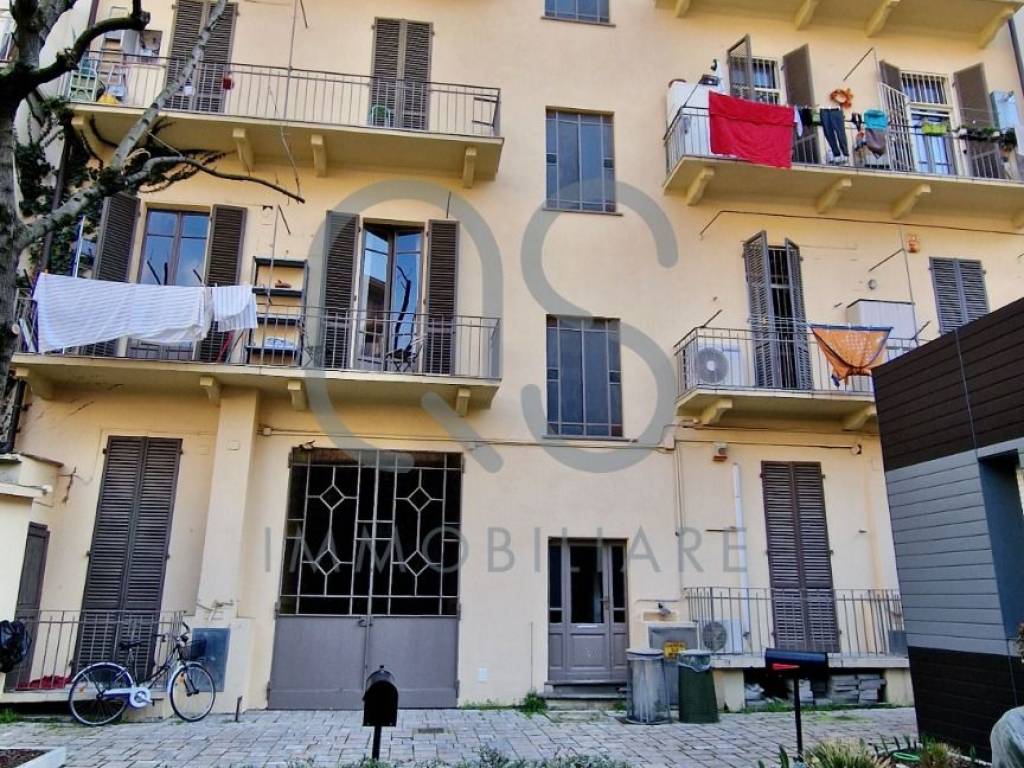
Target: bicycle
x,y
101,692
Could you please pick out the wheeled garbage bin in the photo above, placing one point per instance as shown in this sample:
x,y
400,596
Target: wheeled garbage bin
x,y
647,689
697,702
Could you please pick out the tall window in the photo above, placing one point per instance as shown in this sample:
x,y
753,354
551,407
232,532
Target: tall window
x,y
584,377
960,295
389,297
581,164
930,117
577,10
174,249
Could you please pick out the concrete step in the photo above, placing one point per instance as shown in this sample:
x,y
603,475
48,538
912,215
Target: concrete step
x,y
569,696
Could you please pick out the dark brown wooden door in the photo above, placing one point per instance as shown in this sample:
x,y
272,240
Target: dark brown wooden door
x,y
799,556
30,593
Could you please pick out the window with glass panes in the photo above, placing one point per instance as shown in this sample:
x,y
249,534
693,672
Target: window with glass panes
x,y
580,162
174,248
584,377
577,10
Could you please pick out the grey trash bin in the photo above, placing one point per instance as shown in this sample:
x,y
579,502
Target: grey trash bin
x,y
697,701
647,689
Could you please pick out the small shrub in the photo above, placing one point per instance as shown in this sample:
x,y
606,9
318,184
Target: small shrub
x,y
8,716
936,754
842,754
533,704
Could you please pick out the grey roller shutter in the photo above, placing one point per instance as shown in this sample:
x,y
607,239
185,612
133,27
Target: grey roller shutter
x,y
223,264
442,279
128,555
799,557
114,252
341,237
796,68
960,295
741,69
976,112
762,313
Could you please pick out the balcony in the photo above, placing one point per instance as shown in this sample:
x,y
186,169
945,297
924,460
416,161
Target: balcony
x,y
331,119
370,356
980,20
918,171
856,627
770,374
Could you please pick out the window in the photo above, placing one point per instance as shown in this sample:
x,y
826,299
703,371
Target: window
x,y
584,377
960,295
400,88
174,249
580,162
930,112
766,80
577,10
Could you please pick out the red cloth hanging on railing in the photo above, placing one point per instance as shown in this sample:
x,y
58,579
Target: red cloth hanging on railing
x,y
752,131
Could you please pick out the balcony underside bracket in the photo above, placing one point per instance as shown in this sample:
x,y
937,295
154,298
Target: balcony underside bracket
x,y
858,419
462,397
715,411
316,141
41,387
212,388
699,185
469,168
244,147
988,34
829,199
80,124
297,392
903,207
879,18
682,7
805,14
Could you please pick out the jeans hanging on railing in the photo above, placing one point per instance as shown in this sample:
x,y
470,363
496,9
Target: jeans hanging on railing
x,y
833,125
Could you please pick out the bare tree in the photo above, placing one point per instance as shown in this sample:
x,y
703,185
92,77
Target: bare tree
x,y
140,161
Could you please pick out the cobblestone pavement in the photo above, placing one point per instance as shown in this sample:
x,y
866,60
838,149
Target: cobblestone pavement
x,y
327,738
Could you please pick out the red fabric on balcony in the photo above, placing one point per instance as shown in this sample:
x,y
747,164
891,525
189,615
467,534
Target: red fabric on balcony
x,y
851,351
752,131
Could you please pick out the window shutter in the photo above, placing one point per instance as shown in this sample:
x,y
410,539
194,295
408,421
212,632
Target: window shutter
x,y
442,280
127,558
801,344
762,313
341,236
976,111
33,566
960,295
223,264
890,75
387,34
208,81
796,66
114,252
741,69
799,559
894,101
188,22
416,76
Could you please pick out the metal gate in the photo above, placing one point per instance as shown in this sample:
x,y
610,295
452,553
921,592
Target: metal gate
x,y
370,577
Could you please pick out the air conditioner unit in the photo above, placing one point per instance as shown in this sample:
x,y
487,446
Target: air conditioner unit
x,y
711,363
722,636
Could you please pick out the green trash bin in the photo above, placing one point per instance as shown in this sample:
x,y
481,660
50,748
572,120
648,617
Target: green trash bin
x,y
697,702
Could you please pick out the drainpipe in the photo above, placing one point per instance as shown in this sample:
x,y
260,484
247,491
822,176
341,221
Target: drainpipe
x,y
741,543
1018,58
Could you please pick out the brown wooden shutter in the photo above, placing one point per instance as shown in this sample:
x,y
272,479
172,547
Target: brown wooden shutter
x,y
30,588
208,82
386,65
890,75
741,69
400,96
976,112
960,295
114,252
799,557
223,264
127,559
796,69
762,311
442,279
415,112
188,22
341,238
801,341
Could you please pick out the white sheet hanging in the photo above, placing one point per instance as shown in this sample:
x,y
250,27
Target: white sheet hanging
x,y
71,311
234,307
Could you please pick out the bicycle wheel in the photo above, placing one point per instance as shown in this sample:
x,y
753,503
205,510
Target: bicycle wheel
x,y
192,692
87,699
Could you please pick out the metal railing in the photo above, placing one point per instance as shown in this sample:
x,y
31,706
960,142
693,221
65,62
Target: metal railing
x,y
290,95
775,358
929,150
63,642
293,336
742,621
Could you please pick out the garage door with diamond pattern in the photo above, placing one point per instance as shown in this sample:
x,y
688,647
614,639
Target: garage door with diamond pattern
x,y
370,578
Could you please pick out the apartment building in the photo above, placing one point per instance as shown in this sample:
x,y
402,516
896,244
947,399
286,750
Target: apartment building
x,y
534,379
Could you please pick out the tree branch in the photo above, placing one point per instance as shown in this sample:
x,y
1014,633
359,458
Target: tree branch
x,y
150,165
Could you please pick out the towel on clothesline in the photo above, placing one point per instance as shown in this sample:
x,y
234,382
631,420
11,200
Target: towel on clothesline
x,y
234,307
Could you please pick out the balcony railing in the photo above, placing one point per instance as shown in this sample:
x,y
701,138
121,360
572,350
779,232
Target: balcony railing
x,y
741,621
906,150
313,338
786,358
290,95
64,642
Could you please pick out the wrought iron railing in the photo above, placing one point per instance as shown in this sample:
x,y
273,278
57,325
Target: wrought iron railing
x,y
742,621
933,150
290,95
293,336
62,642
779,357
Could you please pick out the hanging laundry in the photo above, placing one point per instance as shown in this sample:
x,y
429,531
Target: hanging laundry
x,y
876,120
851,351
807,117
833,125
749,130
797,122
234,307
72,311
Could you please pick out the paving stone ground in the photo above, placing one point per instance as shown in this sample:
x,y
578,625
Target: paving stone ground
x,y
329,738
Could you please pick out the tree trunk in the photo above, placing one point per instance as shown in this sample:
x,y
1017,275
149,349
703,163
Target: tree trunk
x,y
9,226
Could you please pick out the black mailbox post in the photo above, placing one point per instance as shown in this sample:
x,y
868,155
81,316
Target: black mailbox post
x,y
796,663
380,705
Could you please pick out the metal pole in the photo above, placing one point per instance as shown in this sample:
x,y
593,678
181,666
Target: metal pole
x,y
799,719
375,752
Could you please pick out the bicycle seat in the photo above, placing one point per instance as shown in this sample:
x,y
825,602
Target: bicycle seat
x,y
125,645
